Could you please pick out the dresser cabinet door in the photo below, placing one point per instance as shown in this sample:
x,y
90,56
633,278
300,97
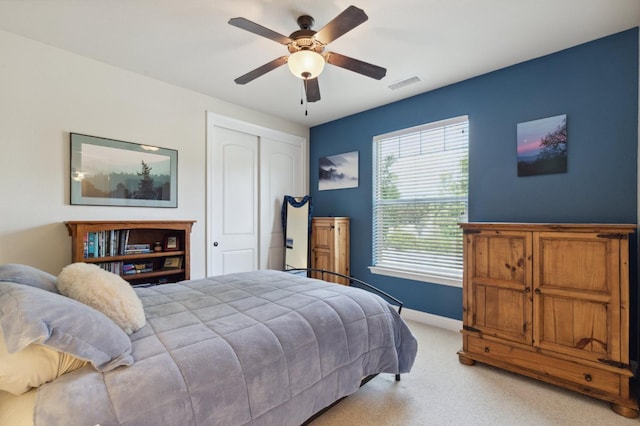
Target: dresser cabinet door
x,y
498,276
576,294
330,248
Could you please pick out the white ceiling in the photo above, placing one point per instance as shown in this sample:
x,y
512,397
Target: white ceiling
x,y
188,43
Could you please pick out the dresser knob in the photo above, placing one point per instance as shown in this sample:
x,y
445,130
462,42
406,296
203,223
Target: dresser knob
x,y
486,349
587,377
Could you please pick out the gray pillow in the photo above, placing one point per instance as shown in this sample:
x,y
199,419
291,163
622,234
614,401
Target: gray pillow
x,y
31,315
28,275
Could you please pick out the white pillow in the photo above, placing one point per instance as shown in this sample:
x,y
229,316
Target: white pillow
x,y
33,366
103,291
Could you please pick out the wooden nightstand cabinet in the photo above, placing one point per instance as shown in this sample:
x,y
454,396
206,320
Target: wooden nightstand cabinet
x,y
330,247
551,301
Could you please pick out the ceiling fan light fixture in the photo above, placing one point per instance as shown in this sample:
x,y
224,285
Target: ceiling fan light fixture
x,y
306,64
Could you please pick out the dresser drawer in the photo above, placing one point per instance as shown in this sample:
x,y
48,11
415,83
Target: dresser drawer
x,y
545,367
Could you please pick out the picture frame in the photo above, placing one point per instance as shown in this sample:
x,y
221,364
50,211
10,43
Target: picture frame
x,y
171,243
174,262
338,171
109,172
542,146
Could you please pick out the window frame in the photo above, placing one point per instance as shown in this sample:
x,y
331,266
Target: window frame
x,y
440,277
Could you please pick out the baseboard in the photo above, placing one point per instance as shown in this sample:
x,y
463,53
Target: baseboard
x,y
431,319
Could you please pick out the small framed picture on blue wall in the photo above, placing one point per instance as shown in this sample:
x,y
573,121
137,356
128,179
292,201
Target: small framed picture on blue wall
x,y
542,146
338,171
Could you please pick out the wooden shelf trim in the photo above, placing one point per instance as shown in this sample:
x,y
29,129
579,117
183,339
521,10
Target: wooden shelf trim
x,y
158,273
101,225
137,256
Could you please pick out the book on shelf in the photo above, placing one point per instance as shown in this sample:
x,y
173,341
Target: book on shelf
x,y
138,248
123,241
101,244
137,268
115,267
112,242
91,245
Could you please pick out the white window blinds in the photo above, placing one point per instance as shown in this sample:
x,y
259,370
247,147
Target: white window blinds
x,y
420,194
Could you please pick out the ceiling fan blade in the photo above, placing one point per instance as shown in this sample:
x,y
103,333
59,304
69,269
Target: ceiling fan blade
x,y
252,27
350,18
355,65
269,66
312,89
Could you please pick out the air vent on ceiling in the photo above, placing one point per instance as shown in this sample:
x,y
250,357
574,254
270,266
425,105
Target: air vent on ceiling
x,y
405,82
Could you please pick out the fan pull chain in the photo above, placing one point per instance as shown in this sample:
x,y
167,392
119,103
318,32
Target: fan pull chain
x,y
301,92
304,96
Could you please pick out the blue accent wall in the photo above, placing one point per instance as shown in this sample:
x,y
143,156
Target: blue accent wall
x,y
594,84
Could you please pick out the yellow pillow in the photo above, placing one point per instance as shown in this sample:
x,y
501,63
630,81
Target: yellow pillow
x,y
17,410
33,366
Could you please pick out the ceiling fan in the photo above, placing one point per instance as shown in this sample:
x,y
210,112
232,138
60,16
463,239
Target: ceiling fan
x,y
306,48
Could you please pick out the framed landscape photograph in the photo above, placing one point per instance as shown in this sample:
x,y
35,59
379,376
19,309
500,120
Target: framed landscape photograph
x,y
338,171
542,146
108,172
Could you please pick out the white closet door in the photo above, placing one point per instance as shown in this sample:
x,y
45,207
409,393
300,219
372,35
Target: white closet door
x,y
280,175
249,169
235,206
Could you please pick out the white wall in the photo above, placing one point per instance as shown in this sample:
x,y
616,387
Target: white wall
x,y
46,93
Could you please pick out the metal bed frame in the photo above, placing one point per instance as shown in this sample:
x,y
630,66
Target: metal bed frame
x,y
351,281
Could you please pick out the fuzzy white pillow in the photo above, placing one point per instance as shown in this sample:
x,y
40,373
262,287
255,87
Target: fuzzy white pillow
x,y
103,291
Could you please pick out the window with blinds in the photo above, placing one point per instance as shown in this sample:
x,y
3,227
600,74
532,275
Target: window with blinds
x,y
420,178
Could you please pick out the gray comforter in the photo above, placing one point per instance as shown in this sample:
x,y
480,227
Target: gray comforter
x,y
258,348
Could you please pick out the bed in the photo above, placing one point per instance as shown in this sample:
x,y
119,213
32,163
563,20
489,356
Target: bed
x,y
256,348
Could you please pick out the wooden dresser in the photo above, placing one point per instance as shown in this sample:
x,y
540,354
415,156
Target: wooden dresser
x,y
330,247
551,301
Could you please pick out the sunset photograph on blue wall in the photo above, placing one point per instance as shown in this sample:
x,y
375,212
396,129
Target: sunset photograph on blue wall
x,y
542,146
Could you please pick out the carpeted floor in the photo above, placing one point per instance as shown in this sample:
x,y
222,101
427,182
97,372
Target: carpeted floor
x,y
441,391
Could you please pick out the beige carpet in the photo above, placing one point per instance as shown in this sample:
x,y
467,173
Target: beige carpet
x,y
441,391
